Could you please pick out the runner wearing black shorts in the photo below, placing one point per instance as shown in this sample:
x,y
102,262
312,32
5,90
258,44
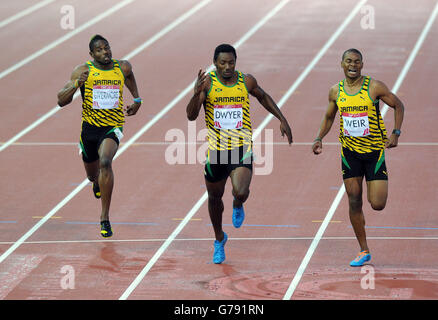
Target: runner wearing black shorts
x,y
92,137
101,82
220,164
224,93
371,165
363,138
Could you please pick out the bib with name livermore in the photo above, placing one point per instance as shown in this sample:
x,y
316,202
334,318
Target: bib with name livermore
x,y
361,124
102,96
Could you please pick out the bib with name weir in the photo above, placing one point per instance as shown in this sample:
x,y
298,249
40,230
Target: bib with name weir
x,y
361,125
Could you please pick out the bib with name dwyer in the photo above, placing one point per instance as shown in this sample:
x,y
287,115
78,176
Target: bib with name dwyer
x,y
227,114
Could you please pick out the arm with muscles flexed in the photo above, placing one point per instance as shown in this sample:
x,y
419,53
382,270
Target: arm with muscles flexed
x,y
268,103
77,79
327,120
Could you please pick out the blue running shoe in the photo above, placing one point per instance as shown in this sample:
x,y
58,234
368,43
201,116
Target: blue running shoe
x,y
219,252
361,258
238,216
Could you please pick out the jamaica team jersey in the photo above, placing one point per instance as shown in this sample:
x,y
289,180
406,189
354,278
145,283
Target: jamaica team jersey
x,y
102,96
361,124
227,114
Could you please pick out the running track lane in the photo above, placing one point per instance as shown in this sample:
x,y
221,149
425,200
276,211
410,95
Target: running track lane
x,y
150,33
336,286
191,77
109,261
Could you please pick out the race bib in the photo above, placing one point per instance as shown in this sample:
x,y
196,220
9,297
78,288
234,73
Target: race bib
x,y
356,124
118,133
228,117
106,97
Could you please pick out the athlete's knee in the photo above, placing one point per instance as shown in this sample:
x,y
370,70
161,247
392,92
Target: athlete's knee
x,y
241,194
355,203
215,201
377,200
105,163
92,178
378,205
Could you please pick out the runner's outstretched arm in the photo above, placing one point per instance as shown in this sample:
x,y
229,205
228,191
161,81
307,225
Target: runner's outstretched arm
x,y
327,120
268,103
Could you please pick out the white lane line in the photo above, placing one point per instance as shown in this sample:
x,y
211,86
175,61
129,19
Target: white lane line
x,y
204,197
136,51
256,133
210,239
85,182
165,143
341,191
64,38
25,12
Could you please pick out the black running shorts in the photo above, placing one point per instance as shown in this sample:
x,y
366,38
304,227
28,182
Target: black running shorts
x,y
219,164
371,165
92,137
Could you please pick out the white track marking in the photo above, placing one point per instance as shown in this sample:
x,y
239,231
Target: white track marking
x,y
341,191
137,50
85,182
64,38
125,146
25,12
210,239
165,143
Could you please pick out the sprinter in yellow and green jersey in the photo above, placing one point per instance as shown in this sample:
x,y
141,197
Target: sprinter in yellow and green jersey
x,y
224,94
101,83
363,138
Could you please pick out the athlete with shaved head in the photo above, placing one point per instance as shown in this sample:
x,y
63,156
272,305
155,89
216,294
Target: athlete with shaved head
x,y
363,138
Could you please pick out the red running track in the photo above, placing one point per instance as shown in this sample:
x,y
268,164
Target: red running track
x,y
151,197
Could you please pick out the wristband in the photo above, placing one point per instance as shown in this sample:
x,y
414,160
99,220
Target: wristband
x,y
138,100
396,132
317,139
